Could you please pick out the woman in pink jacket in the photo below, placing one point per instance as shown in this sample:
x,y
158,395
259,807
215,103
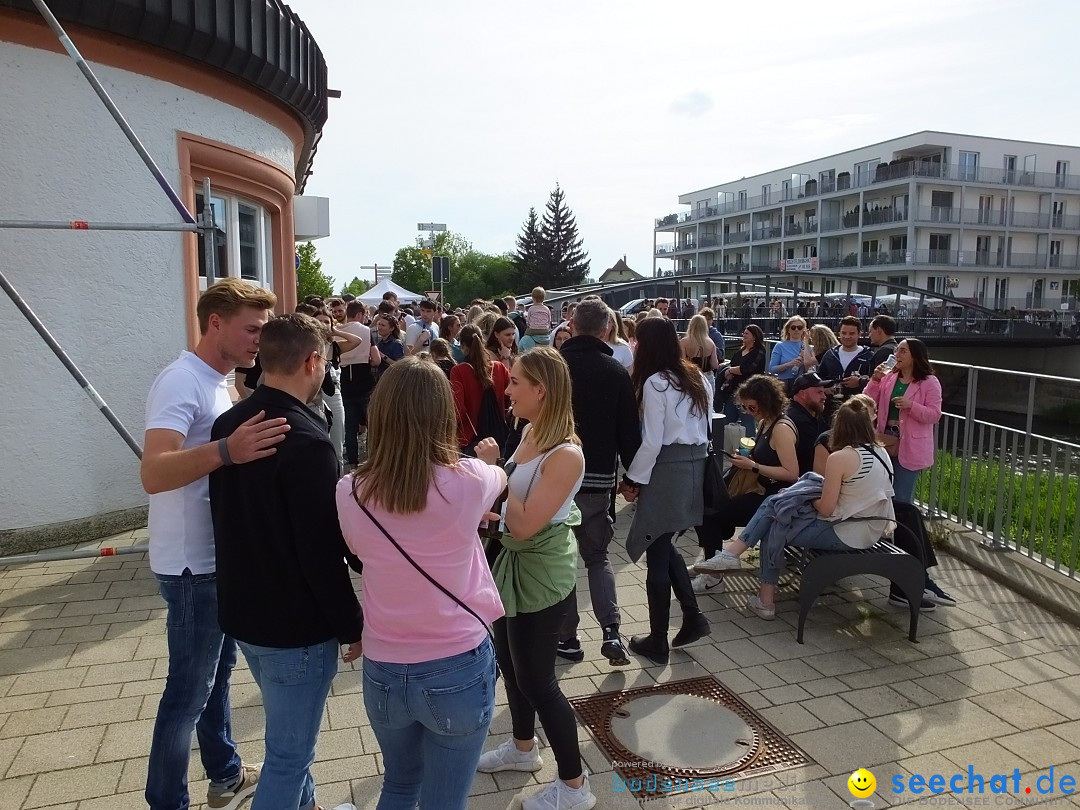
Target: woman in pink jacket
x,y
908,401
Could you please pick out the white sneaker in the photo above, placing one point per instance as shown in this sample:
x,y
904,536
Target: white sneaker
x,y
507,757
707,583
560,796
718,562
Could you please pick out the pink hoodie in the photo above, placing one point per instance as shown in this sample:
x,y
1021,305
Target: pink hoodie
x,y
916,450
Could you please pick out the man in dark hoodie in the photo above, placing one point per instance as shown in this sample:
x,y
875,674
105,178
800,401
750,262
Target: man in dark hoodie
x,y
606,418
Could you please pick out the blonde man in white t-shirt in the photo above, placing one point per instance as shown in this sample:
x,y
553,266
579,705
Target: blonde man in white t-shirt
x,y
178,456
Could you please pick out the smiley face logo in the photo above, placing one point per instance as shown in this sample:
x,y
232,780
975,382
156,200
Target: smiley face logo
x,y
861,783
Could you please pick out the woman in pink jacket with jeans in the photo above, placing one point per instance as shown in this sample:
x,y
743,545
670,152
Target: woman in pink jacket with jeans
x,y
908,401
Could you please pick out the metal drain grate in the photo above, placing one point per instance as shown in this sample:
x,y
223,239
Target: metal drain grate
x,y
655,737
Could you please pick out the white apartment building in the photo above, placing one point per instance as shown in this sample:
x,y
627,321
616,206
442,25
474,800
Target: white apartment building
x,y
991,221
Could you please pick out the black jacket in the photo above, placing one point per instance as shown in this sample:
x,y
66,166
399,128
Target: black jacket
x,y
808,427
881,353
282,580
605,410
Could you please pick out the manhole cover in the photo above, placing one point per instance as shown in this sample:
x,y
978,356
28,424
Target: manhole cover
x,y
670,729
677,736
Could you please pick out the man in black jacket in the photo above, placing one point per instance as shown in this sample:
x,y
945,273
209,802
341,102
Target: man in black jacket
x,y
807,410
283,587
606,419
882,340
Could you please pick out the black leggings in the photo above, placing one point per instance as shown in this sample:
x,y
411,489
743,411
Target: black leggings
x,y
525,648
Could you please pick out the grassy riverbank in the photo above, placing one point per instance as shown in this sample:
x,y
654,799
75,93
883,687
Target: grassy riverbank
x,y
1038,508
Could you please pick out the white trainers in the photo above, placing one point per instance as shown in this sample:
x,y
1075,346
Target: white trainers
x,y
718,562
218,798
707,583
507,757
560,796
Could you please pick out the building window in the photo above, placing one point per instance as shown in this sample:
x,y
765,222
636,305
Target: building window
x,y
766,194
827,181
1061,172
742,200
1009,169
864,172
243,239
969,165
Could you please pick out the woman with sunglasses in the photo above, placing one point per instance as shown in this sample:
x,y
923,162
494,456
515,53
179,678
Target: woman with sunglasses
x,y
792,356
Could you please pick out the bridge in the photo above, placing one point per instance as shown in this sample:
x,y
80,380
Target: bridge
x,y
938,318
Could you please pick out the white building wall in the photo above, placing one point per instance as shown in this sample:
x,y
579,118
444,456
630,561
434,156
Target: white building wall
x,y
115,301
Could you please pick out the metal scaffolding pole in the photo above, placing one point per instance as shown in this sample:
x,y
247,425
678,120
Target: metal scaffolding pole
x,y
77,57
83,225
52,556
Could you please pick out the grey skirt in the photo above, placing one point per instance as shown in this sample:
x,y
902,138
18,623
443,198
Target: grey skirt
x,y
672,501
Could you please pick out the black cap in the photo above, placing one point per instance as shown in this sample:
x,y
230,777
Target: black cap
x,y
811,380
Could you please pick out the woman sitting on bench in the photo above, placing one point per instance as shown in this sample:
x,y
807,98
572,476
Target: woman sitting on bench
x,y
857,483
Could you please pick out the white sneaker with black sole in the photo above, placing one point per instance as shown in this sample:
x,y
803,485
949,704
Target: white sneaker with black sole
x,y
570,650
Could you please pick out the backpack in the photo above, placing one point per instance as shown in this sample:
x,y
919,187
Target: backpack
x,y
490,422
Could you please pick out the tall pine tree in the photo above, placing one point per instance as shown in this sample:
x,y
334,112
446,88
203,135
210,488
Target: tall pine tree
x,y
526,257
561,260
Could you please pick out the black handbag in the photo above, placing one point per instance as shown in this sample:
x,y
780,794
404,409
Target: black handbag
x,y
715,488
490,423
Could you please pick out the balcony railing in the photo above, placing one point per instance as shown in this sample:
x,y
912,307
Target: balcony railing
x,y
686,244
768,232
884,216
983,216
736,238
709,240
937,213
871,258
883,173
664,249
800,228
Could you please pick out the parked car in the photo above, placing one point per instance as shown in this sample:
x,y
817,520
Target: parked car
x,y
634,307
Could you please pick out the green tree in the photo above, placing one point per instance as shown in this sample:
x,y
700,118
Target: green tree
x,y
527,256
561,260
310,280
412,266
480,275
358,286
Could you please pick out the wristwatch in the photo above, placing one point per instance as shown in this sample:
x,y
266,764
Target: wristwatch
x,y
754,469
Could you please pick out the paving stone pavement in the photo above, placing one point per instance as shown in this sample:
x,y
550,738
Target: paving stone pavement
x,y
994,683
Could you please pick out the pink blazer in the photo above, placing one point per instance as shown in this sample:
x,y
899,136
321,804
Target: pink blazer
x,y
916,451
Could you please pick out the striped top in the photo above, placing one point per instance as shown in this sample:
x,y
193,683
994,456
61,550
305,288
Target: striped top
x,y
867,493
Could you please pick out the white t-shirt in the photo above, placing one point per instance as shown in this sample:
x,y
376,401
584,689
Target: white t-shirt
x,y
362,353
412,334
846,356
187,397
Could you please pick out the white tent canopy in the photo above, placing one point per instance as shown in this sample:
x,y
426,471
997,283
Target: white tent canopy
x,y
374,295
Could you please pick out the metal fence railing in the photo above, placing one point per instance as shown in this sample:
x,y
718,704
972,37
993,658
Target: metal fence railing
x,y
1000,477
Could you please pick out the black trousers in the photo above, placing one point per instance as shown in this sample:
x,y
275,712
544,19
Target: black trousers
x,y
525,649
356,385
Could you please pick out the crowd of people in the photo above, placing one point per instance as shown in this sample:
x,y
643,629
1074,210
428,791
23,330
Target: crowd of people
x,y
481,450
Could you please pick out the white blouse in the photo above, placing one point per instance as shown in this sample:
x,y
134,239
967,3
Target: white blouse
x,y
665,419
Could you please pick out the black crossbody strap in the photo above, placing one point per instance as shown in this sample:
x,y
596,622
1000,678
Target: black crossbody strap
x,y
873,452
414,564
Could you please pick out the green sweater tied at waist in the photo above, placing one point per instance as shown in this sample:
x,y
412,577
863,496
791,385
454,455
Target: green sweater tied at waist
x,y
539,572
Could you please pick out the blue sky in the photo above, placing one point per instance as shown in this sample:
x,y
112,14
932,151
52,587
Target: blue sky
x,y
468,112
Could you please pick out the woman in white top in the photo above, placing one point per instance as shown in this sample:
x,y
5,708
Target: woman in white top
x,y
616,341
535,573
667,476
858,483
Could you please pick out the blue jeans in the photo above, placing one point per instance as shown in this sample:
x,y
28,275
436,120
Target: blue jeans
x,y
904,482
196,696
294,682
431,720
736,417
818,534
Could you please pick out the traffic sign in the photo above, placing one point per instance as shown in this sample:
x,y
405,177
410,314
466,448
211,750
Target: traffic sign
x,y
430,226
440,269
432,294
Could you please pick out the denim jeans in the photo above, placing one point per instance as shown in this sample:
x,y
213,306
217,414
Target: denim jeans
x,y
818,534
294,682
431,720
196,696
904,482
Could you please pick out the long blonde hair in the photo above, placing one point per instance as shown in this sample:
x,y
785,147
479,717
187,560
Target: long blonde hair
x,y
696,334
412,430
822,338
555,422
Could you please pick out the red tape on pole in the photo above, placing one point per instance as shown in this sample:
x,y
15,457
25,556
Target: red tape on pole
x,y
80,225
108,552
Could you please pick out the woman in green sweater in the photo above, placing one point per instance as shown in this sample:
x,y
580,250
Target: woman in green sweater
x,y
535,574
